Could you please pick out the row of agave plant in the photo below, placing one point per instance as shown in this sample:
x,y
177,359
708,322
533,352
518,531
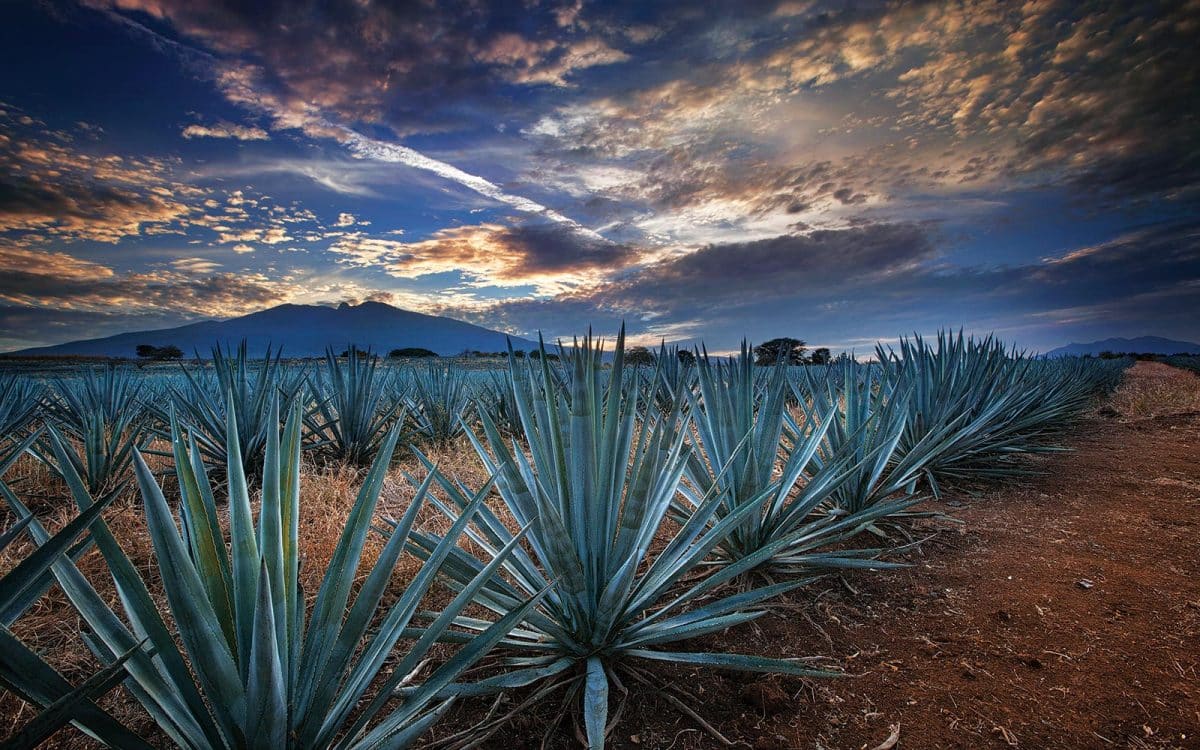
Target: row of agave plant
x,y
347,407
642,508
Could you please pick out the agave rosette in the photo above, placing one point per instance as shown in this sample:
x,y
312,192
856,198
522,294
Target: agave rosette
x,y
599,481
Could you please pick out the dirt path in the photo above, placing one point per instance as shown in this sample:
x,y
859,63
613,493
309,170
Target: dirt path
x,y
1064,613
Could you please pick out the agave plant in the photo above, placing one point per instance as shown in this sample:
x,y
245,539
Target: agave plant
x,y
265,671
1182,361
105,413
985,403
354,407
200,401
743,461
602,473
867,418
20,401
675,374
496,397
440,396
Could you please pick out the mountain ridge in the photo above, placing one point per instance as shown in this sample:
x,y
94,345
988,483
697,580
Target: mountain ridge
x,y
302,331
1137,345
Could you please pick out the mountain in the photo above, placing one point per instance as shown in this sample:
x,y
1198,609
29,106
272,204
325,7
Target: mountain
x,y
1139,345
305,331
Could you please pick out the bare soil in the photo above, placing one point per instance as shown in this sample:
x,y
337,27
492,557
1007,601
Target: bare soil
x,y
1063,611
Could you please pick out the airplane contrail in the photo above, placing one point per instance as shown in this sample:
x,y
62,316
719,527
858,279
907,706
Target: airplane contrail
x,y
373,149
370,148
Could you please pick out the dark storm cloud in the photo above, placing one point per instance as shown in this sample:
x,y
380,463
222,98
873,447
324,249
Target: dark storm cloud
x,y
722,282
80,210
795,265
556,248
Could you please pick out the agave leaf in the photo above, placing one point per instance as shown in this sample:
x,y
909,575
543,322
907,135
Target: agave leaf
x,y
199,627
26,674
595,702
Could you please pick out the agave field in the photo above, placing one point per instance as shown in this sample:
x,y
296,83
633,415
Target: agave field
x,y
626,513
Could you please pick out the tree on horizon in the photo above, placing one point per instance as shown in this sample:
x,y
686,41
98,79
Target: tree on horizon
x,y
783,349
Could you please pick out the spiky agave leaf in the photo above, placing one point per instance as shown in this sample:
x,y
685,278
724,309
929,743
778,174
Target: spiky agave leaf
x,y
867,417
497,398
20,402
23,671
265,671
984,403
202,398
674,376
600,478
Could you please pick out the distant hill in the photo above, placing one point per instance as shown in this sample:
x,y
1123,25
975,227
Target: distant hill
x,y
304,331
1139,345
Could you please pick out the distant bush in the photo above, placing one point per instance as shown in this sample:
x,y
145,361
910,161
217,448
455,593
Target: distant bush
x,y
412,351
820,356
148,351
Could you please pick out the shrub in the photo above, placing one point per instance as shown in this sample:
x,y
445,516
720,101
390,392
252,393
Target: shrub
x,y
148,351
412,351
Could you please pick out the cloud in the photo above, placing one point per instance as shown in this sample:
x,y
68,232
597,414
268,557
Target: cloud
x,y
546,61
773,164
51,189
376,150
225,130
28,262
845,284
41,279
549,257
195,265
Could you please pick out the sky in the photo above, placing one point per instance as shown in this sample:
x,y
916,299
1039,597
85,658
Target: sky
x,y
844,173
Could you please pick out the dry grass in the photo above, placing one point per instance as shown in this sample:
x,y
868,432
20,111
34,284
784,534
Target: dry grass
x,y
1160,390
